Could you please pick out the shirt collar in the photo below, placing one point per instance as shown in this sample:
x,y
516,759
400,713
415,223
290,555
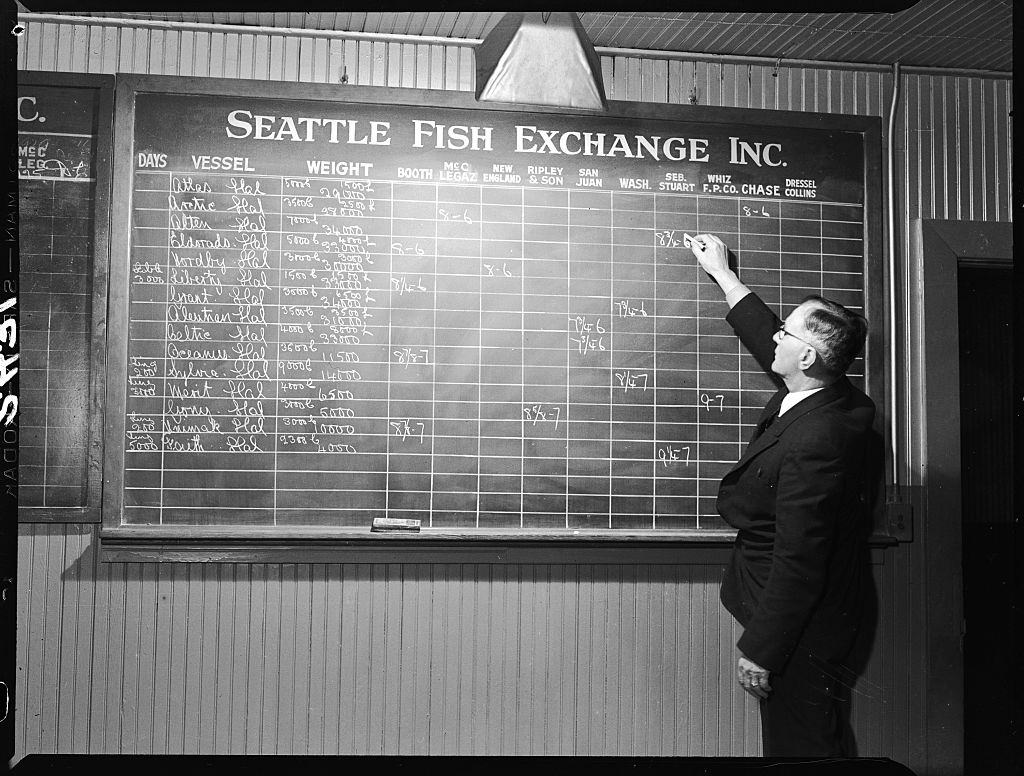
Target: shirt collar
x,y
795,397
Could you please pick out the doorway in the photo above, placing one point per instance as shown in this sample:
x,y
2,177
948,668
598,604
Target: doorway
x,y
986,454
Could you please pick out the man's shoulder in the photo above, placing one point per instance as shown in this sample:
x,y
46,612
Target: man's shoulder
x,y
848,416
843,396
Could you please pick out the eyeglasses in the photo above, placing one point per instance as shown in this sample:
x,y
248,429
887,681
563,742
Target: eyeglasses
x,y
782,330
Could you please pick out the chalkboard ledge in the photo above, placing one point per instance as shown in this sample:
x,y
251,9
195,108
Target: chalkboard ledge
x,y
430,545
259,533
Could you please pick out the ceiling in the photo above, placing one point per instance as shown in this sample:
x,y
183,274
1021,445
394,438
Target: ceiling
x,y
958,34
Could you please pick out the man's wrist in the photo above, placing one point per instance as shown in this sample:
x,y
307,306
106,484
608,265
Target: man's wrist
x,y
735,294
726,279
731,286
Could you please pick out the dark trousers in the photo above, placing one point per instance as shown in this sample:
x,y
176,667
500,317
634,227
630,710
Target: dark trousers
x,y
806,713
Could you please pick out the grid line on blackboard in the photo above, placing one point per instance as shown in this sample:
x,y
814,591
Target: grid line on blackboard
x,y
387,388
540,241
277,383
480,360
654,312
57,134
536,188
611,384
53,178
522,359
739,347
46,403
697,387
167,307
568,351
433,376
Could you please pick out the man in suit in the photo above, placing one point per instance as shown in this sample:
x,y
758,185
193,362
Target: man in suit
x,y
799,497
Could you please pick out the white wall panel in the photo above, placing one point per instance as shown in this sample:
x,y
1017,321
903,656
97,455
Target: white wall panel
x,y
214,658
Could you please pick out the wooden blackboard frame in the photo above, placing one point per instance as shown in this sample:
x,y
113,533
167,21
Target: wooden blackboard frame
x,y
160,538
104,85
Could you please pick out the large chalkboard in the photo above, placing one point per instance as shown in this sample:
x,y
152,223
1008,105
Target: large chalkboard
x,y
332,304
64,124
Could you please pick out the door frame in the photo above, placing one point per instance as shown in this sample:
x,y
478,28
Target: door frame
x,y
939,248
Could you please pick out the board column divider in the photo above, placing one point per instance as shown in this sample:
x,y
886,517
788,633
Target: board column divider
x,y
480,354
391,314
654,376
167,305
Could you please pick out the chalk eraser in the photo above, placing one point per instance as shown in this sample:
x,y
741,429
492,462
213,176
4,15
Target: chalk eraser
x,y
395,524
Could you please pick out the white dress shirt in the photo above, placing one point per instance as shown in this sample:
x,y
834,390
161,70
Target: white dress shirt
x,y
795,397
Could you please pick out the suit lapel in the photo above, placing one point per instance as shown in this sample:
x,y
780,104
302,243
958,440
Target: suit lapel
x,y
771,435
770,409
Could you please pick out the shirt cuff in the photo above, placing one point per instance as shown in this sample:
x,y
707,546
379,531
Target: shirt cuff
x,y
735,294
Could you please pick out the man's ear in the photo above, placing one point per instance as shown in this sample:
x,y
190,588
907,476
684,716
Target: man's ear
x,y
809,357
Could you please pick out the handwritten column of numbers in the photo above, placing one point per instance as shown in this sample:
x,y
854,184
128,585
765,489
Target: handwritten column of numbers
x,y
633,354
676,403
760,248
589,331
456,357
410,338
717,394
546,310
503,413
332,357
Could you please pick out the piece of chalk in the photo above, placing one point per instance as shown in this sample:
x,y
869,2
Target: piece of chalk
x,y
394,524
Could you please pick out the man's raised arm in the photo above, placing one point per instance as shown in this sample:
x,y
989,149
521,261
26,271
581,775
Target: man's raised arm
x,y
752,321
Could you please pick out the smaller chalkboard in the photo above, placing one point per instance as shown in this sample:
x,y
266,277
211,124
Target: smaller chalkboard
x,y
63,198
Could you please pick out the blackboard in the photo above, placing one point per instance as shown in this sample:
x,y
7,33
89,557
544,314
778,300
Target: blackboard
x,y
64,124
332,304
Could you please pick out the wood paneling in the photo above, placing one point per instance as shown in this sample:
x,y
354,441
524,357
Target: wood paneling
x,y
390,658
936,33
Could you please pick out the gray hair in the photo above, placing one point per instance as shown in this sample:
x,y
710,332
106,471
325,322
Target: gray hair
x,y
840,333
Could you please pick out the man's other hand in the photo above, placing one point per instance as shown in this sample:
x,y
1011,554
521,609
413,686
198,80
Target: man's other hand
x,y
753,678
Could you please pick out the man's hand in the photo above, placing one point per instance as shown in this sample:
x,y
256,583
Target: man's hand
x,y
753,678
714,258
712,254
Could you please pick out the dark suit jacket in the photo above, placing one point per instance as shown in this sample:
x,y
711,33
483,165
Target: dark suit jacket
x,y
799,497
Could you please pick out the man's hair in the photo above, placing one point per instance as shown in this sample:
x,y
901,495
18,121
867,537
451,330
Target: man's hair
x,y
839,332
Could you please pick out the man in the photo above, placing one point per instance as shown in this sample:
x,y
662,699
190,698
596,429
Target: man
x,y
797,579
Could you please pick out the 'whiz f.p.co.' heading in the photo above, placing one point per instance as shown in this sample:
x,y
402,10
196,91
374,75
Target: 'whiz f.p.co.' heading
x,y
433,143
